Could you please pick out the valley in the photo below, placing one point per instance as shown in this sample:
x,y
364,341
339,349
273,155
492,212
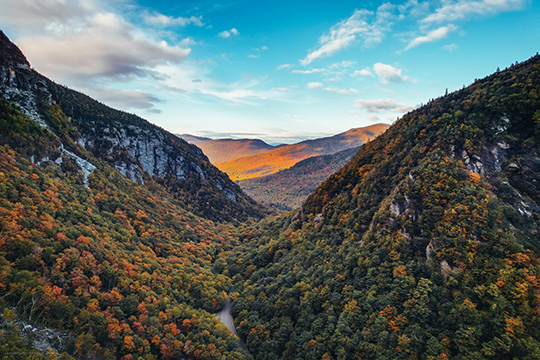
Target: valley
x,y
418,240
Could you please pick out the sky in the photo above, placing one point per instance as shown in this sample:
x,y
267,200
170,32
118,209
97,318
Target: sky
x,y
282,71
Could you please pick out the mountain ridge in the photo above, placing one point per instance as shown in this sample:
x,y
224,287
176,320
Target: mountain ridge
x,y
222,150
139,150
284,157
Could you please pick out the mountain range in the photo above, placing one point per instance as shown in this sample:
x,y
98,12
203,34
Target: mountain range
x,y
283,157
120,240
223,150
295,170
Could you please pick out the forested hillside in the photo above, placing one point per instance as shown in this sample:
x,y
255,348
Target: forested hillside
x,y
118,267
289,188
100,260
424,246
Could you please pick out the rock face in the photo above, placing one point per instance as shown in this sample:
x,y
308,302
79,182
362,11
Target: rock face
x,y
10,55
89,130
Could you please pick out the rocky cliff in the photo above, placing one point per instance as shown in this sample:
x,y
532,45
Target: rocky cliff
x,y
91,132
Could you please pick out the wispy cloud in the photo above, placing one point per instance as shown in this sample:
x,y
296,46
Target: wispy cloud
x,y
357,28
164,20
84,46
463,9
450,11
450,47
247,90
310,71
432,35
341,91
134,99
338,68
228,33
378,105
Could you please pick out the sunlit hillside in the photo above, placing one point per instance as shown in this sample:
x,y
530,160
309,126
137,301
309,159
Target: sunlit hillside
x,y
284,157
222,150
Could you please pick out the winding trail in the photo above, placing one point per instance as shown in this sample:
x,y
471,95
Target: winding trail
x,y
226,318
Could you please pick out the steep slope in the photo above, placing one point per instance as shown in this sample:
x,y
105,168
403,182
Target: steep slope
x,y
222,150
424,246
289,188
137,149
284,157
105,266
92,263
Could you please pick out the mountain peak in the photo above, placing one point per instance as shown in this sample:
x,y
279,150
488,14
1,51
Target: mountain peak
x,y
10,54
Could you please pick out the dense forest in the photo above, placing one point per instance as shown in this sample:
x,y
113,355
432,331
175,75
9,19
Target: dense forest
x,y
120,268
423,246
287,189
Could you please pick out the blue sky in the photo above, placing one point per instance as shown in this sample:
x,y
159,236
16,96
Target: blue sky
x,y
278,70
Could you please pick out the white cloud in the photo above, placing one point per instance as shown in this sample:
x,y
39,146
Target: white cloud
x,y
310,71
363,72
106,47
134,99
80,44
179,80
283,66
378,105
463,9
341,91
282,89
332,69
388,73
450,47
187,42
433,35
253,56
225,34
49,16
228,33
354,29
343,64
164,20
315,85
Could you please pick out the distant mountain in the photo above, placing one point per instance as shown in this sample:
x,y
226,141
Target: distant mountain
x,y
137,149
288,189
284,157
426,245
222,150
